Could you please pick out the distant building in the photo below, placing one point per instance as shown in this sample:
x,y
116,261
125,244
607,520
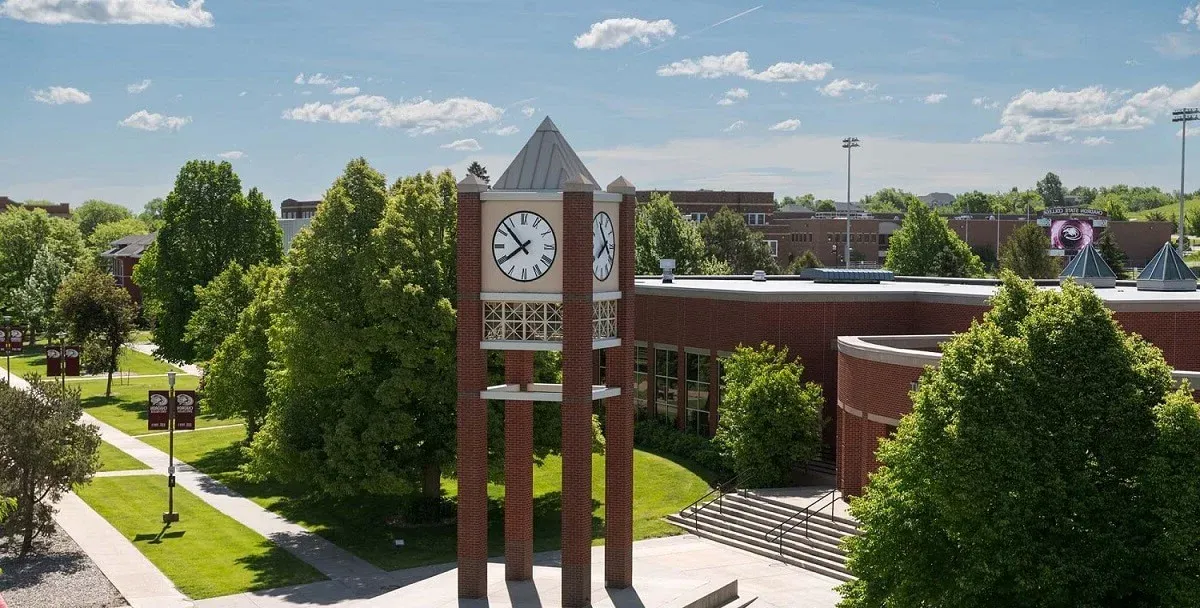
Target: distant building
x,y
291,227
292,209
59,210
937,199
698,205
123,256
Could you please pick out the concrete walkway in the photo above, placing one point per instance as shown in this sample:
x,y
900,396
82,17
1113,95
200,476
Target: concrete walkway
x,y
148,349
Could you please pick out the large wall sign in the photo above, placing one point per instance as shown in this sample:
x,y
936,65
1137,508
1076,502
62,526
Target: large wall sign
x,y
1070,235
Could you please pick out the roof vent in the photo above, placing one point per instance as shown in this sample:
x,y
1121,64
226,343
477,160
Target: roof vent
x,y
846,275
1089,268
759,275
1167,272
668,270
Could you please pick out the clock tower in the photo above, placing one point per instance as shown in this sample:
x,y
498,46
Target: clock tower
x,y
546,263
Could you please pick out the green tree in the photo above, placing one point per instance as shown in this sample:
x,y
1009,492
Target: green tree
x,y
770,419
1155,216
152,213
479,171
235,377
97,313
218,305
660,232
975,202
1191,220
806,260
1086,194
34,300
103,235
207,223
1112,253
728,239
1020,201
1026,253
44,452
1113,205
1003,489
925,246
23,233
888,200
1051,190
825,206
92,213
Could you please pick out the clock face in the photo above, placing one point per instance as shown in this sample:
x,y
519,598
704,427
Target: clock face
x,y
524,246
604,246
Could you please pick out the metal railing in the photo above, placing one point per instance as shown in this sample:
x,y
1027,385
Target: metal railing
x,y
803,517
721,489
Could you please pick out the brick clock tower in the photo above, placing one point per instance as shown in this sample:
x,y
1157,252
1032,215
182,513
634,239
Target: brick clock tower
x,y
545,263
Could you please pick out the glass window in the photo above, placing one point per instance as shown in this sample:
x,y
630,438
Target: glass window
x,y
599,366
756,219
639,381
697,394
666,384
773,245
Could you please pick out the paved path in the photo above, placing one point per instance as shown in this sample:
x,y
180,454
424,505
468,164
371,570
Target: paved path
x,y
148,349
199,430
129,473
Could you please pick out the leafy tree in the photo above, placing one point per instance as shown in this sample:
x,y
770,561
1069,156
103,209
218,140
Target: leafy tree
x,y
1113,205
806,260
1112,253
99,314
23,233
1155,216
1003,489
807,201
34,300
207,223
975,202
235,377
44,451
660,232
728,239
1020,201
1086,195
218,305
1026,253
152,213
92,213
479,171
986,255
770,420
887,200
826,206
1051,190
925,246
711,266
1191,220
103,235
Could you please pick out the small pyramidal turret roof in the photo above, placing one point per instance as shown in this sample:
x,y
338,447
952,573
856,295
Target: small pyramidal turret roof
x,y
1167,272
546,162
1090,268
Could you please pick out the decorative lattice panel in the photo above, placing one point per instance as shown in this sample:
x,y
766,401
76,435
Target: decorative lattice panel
x,y
604,320
526,321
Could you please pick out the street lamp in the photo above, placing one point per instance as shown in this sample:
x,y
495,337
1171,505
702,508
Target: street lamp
x,y
1184,116
170,516
849,144
62,360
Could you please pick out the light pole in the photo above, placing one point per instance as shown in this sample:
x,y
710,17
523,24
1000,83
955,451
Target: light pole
x,y
62,360
1184,116
170,516
8,349
849,144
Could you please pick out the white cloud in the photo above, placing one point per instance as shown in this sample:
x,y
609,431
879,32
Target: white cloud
x,y
146,121
733,96
790,124
318,79
242,94
1190,15
616,33
1178,45
463,145
126,12
345,91
985,103
793,72
60,95
140,87
1096,141
528,111
736,125
1132,62
299,78
503,131
935,98
232,155
841,86
1040,116
419,116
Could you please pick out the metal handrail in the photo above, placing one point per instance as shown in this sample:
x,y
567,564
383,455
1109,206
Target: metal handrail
x,y
807,512
719,489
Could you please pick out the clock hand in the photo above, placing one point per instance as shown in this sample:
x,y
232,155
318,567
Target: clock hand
x,y
508,257
513,233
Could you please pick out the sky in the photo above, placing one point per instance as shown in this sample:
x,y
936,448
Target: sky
x,y
108,98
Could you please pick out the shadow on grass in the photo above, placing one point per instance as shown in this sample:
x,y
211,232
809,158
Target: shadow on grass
x,y
157,539
277,570
708,475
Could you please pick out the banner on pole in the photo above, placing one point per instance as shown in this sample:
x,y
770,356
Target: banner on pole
x,y
159,415
71,360
185,410
53,361
16,339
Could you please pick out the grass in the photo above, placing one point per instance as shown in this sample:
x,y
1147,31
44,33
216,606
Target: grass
x,y
207,553
33,359
126,408
363,524
112,459
1169,210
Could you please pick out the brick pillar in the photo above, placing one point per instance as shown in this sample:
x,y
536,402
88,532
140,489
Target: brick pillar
x,y
576,246
518,471
714,392
618,427
472,410
680,387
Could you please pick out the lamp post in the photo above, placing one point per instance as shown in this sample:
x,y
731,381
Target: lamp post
x,y
1184,116
62,360
849,144
170,516
8,349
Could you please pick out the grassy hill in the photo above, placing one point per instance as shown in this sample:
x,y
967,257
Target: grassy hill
x,y
1168,210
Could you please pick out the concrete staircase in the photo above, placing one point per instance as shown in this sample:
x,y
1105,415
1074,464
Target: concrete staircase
x,y
749,522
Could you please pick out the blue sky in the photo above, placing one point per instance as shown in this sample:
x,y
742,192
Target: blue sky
x,y
107,98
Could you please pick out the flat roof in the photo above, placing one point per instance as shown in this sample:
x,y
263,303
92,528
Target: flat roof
x,y
966,292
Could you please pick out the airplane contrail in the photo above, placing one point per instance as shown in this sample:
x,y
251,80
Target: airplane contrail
x,y
702,30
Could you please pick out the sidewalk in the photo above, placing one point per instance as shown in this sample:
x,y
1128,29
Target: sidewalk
x,y
148,349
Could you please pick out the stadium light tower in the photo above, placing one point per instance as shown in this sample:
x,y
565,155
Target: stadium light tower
x,y
1184,116
849,144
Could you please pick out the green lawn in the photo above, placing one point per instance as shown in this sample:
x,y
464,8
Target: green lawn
x,y
33,359
362,524
126,408
206,554
112,459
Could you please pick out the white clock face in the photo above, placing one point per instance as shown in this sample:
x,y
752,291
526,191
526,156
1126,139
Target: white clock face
x,y
524,246
604,246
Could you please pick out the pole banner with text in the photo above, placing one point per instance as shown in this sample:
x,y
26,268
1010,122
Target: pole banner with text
x,y
53,361
185,410
159,415
71,359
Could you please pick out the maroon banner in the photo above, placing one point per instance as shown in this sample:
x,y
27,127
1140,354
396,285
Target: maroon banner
x,y
53,361
185,410
16,339
72,360
160,410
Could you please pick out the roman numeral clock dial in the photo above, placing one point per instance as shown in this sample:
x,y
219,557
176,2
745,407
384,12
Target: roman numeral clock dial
x,y
604,246
524,246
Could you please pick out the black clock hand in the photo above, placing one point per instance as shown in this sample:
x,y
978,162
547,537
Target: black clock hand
x,y
513,233
508,257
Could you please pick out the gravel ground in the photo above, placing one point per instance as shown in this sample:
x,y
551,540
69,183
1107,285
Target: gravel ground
x,y
57,573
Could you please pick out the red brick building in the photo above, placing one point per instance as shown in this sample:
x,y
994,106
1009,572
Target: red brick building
x,y
123,255
59,210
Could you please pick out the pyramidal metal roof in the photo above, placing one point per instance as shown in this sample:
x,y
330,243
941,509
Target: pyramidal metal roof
x,y
546,162
1089,267
1167,272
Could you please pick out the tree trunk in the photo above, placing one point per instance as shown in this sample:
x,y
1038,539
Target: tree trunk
x,y
29,508
112,367
431,480
252,426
